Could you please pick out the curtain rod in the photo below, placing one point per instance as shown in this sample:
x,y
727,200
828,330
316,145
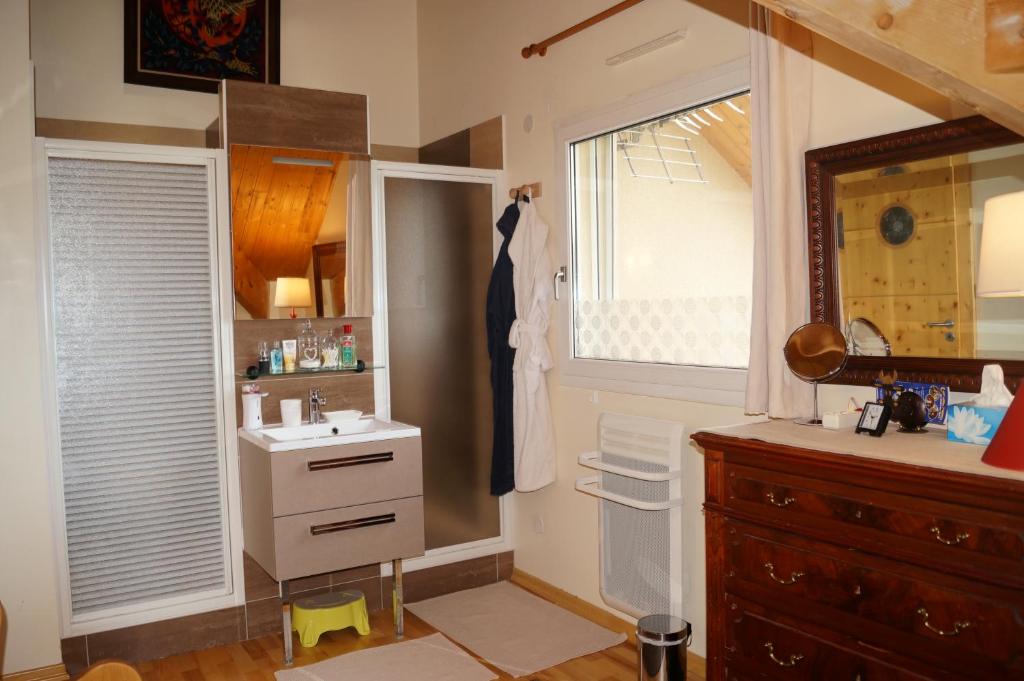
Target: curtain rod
x,y
541,48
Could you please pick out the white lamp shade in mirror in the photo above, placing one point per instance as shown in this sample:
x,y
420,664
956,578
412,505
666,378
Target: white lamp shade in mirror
x,y
292,292
1001,263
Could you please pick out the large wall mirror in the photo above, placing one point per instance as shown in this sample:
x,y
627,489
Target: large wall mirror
x,y
301,233
895,229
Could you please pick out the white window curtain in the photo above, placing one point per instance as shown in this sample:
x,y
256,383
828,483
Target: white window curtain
x,y
780,66
358,289
133,285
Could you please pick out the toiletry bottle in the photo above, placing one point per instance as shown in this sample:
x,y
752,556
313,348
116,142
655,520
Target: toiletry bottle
x,y
348,348
288,349
308,347
263,358
276,359
329,351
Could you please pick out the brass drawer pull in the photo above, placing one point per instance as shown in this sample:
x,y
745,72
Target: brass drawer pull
x,y
343,525
791,662
960,537
958,627
785,582
781,504
361,460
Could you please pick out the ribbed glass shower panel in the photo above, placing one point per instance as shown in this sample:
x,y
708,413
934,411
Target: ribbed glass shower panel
x,y
136,381
439,250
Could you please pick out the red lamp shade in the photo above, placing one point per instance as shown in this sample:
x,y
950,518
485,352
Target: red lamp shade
x,y
1007,447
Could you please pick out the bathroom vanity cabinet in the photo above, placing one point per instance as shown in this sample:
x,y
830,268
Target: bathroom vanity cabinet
x,y
312,506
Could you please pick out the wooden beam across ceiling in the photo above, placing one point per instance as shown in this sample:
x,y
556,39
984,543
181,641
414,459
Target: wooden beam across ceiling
x,y
940,43
730,136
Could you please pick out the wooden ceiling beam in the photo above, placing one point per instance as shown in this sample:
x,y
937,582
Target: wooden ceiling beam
x,y
1004,35
940,43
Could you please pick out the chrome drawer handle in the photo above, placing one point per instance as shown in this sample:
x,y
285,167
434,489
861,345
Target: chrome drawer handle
x,y
343,525
786,501
791,662
785,582
958,627
960,537
361,460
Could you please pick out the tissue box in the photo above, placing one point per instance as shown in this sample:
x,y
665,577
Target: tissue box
x,y
973,425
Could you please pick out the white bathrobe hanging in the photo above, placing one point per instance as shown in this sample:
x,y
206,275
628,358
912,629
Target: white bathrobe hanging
x,y
534,443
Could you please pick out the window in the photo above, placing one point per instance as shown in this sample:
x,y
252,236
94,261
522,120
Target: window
x,y
660,216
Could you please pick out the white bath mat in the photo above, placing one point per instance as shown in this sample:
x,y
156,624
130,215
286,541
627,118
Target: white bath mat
x,y
512,629
431,658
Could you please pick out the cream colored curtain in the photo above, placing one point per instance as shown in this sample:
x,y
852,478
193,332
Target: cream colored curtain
x,y
358,241
780,66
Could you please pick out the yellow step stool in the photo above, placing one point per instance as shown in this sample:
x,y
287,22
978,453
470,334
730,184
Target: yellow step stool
x,y
313,615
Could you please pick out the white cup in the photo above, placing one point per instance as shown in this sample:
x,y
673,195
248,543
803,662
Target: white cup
x,y
291,413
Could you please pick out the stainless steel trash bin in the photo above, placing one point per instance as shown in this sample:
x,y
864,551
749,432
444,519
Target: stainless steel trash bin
x,y
661,642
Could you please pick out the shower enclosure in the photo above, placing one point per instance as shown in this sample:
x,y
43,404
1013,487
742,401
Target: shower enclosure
x,y
434,246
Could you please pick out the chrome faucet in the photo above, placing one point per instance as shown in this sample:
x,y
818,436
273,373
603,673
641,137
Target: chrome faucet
x,y
316,401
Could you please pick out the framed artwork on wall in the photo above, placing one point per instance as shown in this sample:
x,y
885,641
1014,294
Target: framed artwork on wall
x,y
193,44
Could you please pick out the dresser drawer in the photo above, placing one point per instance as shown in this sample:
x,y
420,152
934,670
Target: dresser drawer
x,y
760,648
322,478
908,611
325,541
933,530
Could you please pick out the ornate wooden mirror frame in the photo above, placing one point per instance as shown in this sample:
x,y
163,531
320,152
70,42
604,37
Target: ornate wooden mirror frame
x,y
822,166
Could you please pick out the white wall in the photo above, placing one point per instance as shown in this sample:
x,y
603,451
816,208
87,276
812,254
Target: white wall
x,y
481,74
345,45
28,585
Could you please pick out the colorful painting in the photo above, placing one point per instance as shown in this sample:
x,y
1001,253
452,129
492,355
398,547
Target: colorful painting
x,y
193,44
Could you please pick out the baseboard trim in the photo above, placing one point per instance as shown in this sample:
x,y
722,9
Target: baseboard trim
x,y
576,605
54,672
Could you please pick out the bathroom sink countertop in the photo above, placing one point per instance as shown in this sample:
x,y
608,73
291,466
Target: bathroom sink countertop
x,y
379,430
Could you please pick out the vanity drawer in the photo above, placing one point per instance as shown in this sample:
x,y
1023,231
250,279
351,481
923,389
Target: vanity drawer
x,y
761,648
325,541
933,530
926,619
321,478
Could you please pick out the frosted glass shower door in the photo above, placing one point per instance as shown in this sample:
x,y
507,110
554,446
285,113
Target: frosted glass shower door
x,y
438,250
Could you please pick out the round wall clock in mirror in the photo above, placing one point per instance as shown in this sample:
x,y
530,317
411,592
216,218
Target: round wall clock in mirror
x,y
896,225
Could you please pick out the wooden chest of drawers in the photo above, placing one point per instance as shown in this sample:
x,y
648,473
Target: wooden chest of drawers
x,y
841,568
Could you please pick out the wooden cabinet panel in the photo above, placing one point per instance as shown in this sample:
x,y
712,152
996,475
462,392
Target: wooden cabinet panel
x,y
760,648
934,530
315,543
934,616
331,477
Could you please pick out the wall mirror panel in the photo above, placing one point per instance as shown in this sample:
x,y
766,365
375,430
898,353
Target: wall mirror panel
x,y
895,230
301,233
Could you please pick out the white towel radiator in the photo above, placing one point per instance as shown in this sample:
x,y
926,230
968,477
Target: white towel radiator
x,y
640,485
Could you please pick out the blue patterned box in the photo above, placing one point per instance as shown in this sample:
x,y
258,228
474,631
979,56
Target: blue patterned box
x,y
973,425
935,397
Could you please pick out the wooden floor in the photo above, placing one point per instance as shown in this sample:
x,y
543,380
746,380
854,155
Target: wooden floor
x,y
258,659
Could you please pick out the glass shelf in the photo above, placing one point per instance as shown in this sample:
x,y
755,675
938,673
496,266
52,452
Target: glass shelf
x,y
307,372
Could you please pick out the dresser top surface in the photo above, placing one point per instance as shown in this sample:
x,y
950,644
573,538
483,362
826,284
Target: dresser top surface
x,y
929,449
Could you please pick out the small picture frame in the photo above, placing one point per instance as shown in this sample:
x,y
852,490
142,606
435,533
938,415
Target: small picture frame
x,y
874,419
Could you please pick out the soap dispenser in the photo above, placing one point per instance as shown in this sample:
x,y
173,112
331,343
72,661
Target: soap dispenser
x,y
252,406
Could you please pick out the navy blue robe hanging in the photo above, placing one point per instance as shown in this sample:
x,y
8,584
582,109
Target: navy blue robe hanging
x,y
501,312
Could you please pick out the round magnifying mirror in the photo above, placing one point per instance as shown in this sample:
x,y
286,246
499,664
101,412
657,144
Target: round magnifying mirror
x,y
815,353
866,339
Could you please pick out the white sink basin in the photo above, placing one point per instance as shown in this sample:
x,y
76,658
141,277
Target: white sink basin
x,y
277,438
312,431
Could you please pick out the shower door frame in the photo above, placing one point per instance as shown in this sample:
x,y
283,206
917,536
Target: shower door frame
x,y
380,171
